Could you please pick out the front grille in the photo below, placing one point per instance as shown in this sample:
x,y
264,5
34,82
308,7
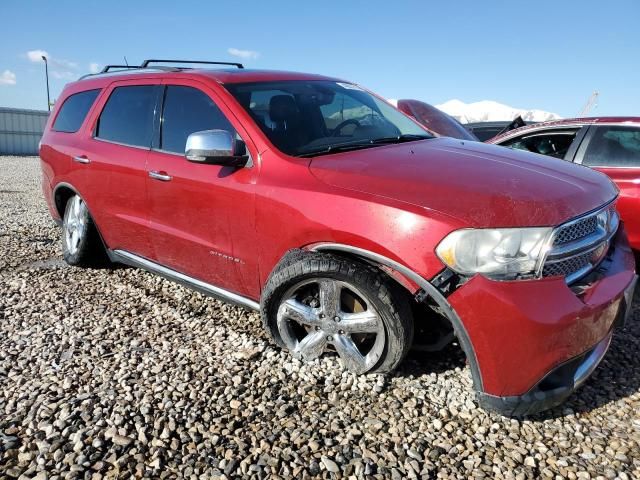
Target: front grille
x,y
568,266
579,244
576,231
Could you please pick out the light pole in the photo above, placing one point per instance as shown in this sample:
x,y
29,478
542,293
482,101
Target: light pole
x,y
46,73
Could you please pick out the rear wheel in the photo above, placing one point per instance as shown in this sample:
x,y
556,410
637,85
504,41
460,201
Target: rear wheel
x,y
320,304
81,244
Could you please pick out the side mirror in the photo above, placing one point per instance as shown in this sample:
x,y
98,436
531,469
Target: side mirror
x,y
216,147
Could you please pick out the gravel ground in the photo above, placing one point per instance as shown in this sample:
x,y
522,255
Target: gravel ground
x,y
116,373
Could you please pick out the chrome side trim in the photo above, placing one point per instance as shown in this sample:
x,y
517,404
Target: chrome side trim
x,y
590,363
433,292
141,262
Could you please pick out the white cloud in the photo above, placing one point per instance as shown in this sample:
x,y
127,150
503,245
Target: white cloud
x,y
245,54
59,62
64,75
94,67
60,68
36,55
8,78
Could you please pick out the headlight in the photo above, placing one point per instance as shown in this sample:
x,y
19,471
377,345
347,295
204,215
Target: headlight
x,y
501,254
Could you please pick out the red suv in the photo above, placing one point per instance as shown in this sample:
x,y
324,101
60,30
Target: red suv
x,y
351,229
608,144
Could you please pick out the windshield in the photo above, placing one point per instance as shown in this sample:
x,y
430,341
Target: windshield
x,y
309,117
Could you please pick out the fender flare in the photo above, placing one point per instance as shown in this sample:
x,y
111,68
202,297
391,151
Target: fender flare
x,y
429,289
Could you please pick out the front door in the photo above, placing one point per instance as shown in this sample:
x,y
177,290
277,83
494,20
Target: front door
x,y
199,212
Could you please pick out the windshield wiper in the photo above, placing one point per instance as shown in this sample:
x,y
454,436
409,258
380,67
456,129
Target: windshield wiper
x,y
344,147
341,147
400,138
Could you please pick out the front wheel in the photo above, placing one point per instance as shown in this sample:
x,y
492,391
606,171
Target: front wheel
x,y
319,304
81,244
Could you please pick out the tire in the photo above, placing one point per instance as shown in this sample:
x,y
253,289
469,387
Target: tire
x,y
315,303
81,243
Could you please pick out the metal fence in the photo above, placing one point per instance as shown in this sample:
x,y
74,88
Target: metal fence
x,y
21,130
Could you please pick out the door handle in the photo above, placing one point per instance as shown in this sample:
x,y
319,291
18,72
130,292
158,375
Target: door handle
x,y
162,176
81,159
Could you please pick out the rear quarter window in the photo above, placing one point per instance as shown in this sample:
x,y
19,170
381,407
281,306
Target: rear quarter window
x,y
74,110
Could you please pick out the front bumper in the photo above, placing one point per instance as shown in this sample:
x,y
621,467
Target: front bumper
x,y
536,341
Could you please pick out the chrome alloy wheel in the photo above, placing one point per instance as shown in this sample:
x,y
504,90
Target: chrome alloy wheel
x,y
324,314
75,224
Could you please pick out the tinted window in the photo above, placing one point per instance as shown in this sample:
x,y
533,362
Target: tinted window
x,y
187,110
553,144
127,116
614,147
317,117
74,110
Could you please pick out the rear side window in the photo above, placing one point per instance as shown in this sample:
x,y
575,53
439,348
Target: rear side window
x,y
187,110
613,147
74,110
127,117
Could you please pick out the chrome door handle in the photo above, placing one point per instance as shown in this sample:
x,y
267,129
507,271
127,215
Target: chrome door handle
x,y
160,176
81,159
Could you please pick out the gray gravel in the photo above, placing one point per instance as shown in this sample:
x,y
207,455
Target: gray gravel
x,y
117,373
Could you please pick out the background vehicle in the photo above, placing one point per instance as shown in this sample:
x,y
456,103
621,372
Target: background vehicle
x,y
487,130
434,119
610,145
343,221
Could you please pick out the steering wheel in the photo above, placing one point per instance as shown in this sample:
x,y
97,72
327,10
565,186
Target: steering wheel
x,y
341,125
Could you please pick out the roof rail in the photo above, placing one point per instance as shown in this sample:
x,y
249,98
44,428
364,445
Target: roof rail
x,y
124,67
146,63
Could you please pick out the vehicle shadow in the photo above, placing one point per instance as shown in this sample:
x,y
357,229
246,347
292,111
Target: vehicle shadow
x,y
419,363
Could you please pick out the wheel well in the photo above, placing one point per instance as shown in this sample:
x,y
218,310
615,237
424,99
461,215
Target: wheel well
x,y
61,197
393,274
439,306
420,309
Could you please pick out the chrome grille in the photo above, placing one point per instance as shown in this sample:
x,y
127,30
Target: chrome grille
x,y
578,246
575,231
568,266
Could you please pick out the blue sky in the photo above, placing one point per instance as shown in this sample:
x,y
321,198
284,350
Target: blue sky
x,y
549,55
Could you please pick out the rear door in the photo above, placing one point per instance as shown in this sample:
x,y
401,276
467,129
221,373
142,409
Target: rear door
x,y
615,151
116,152
201,216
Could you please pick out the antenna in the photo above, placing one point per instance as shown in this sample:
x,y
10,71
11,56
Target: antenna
x,y
125,60
591,103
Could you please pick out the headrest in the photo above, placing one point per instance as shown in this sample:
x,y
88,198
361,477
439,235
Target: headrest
x,y
282,108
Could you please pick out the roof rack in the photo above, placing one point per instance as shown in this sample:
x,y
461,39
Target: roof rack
x,y
146,63
124,67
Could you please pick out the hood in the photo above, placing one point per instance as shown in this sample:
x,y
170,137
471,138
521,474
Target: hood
x,y
480,185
